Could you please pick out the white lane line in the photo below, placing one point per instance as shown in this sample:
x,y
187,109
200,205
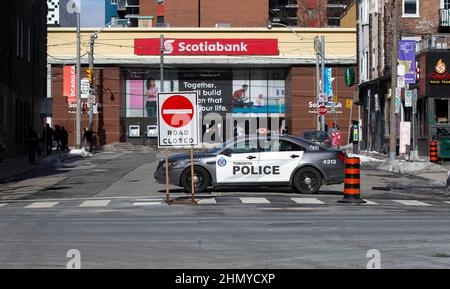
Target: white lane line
x,y
447,202
2,205
148,200
94,203
307,201
141,204
210,201
411,203
41,205
250,200
370,202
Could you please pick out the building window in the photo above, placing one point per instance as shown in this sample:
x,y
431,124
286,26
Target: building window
x,y
441,110
410,8
114,2
445,4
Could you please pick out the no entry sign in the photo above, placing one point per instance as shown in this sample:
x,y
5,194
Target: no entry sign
x,y
323,110
178,124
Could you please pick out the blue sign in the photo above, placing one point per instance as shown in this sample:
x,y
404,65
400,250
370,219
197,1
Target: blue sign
x,y
328,82
407,58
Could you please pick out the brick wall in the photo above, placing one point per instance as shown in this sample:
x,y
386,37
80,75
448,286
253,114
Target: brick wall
x,y
106,125
301,90
184,13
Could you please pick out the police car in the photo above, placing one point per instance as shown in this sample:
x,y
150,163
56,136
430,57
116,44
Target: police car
x,y
265,161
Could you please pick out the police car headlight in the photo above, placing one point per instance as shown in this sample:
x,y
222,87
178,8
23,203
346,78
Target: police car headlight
x,y
175,164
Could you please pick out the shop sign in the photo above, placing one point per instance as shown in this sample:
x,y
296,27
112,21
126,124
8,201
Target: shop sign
x,y
313,107
178,119
212,46
70,83
440,75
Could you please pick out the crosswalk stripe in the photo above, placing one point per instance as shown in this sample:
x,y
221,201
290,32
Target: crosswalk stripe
x,y
139,204
41,205
307,201
370,202
95,203
2,205
411,203
209,201
250,200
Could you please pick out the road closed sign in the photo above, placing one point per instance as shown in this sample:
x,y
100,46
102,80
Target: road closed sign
x,y
178,119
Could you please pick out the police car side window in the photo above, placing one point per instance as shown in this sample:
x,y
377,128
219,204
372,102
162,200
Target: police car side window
x,y
243,147
287,146
281,146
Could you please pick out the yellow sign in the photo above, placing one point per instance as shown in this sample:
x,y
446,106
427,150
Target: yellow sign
x,y
348,103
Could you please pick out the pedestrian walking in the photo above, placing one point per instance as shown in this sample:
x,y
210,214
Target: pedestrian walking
x,y
57,138
32,141
47,138
87,139
64,139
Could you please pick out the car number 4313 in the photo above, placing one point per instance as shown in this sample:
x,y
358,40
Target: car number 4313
x,y
329,162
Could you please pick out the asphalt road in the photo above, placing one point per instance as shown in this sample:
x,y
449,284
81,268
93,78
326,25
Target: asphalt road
x,y
109,209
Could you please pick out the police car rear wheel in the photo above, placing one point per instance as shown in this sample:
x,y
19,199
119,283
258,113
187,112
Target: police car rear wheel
x,y
307,181
201,180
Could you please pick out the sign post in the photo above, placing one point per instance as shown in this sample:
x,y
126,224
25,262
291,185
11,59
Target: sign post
x,y
178,127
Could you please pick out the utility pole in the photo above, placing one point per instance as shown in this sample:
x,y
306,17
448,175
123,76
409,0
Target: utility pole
x,y
161,62
322,90
91,68
317,48
392,115
78,116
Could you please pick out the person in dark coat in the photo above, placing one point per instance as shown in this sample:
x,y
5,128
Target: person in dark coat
x,y
32,141
57,137
47,138
87,136
64,139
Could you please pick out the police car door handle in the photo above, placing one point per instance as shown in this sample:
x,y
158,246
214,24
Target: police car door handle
x,y
251,157
294,156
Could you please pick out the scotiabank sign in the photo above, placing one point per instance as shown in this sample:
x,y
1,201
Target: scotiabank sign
x,y
215,46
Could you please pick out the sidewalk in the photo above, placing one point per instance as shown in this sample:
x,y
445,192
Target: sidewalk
x,y
421,169
15,166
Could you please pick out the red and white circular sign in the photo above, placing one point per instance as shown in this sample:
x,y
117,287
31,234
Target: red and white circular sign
x,y
177,111
323,110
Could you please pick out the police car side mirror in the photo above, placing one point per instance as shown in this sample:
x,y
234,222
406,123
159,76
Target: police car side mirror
x,y
226,152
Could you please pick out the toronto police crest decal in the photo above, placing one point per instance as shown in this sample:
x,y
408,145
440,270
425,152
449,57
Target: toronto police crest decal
x,y
221,162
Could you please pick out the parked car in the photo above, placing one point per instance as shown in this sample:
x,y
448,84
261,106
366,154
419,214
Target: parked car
x,y
275,161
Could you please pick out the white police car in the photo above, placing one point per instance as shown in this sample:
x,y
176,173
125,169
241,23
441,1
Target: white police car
x,y
266,161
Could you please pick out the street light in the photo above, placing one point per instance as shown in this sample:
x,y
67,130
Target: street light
x,y
319,47
270,26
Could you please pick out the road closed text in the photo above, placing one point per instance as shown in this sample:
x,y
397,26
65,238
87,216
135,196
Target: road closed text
x,y
178,137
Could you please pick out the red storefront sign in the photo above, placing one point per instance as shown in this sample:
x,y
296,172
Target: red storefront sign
x,y
213,46
70,83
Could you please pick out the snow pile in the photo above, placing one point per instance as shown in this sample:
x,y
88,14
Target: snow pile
x,y
401,166
80,152
363,158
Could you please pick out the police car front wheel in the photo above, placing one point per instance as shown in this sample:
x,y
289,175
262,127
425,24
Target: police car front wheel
x,y
307,181
201,179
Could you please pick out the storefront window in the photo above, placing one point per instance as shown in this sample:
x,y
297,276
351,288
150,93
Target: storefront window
x,y
242,94
441,110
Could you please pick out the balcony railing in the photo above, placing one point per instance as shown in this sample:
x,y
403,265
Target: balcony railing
x,y
444,17
433,42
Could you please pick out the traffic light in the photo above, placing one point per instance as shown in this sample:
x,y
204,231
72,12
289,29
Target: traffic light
x,y
90,76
